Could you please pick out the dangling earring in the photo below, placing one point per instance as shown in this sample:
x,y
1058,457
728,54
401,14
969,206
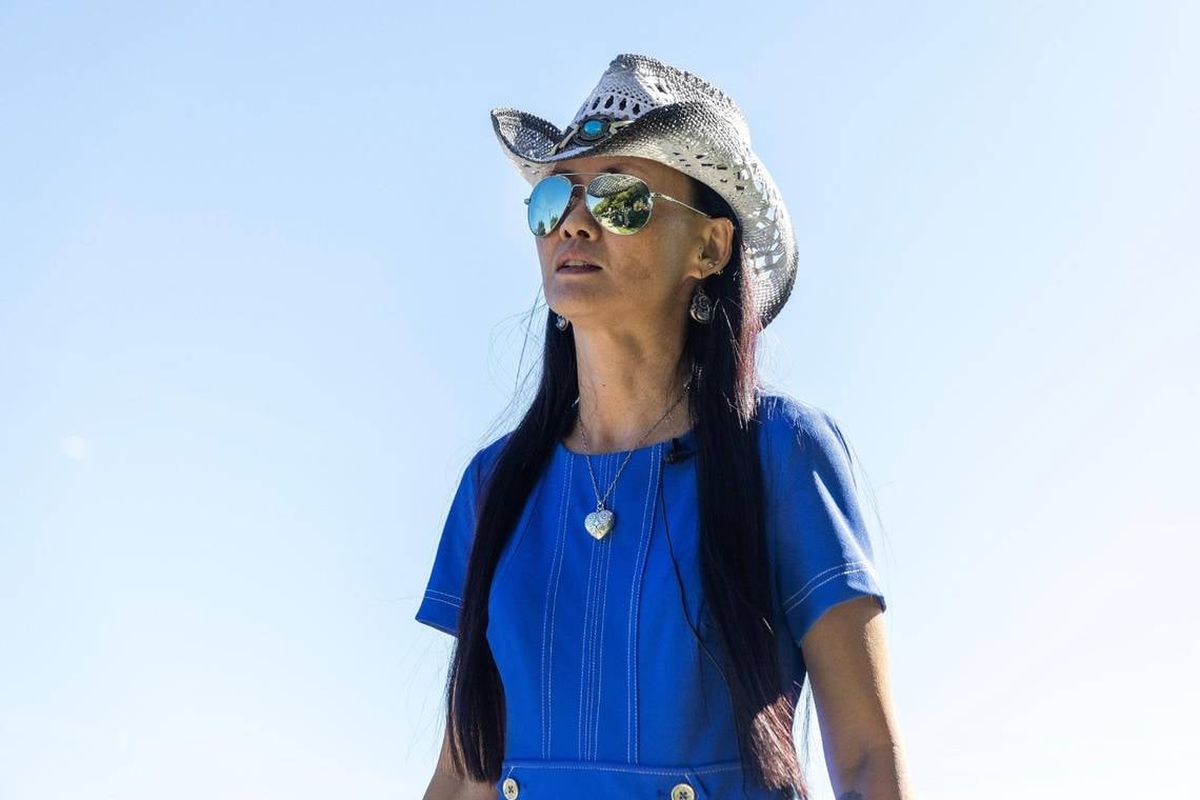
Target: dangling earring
x,y
561,323
702,306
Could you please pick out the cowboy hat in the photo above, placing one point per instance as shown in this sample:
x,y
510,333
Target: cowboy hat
x,y
644,107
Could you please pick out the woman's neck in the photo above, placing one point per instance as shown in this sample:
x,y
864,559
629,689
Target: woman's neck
x,y
623,397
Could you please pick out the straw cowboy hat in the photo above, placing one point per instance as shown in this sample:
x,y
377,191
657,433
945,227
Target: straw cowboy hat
x,y
644,107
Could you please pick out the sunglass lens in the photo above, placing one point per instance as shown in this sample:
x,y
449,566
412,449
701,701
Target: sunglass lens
x,y
547,203
621,203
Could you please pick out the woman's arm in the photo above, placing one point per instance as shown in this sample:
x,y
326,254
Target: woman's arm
x,y
446,784
845,651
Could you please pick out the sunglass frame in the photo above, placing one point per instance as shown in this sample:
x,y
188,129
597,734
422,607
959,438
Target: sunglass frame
x,y
571,199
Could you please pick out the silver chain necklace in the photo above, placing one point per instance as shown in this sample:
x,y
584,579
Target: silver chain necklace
x,y
601,521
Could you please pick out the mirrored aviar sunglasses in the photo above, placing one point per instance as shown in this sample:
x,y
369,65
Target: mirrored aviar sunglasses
x,y
620,203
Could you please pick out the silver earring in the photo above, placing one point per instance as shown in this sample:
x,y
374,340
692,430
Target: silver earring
x,y
561,323
702,306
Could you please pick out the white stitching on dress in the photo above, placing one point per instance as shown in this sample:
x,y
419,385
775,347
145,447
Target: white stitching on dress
x,y
635,593
585,663
589,631
440,600
822,583
598,651
549,609
598,645
723,766
429,592
606,543
820,576
587,608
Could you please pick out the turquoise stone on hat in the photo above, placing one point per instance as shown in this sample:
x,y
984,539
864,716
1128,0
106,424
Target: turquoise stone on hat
x,y
594,129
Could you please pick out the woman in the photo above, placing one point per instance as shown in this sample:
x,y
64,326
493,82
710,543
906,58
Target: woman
x,y
644,571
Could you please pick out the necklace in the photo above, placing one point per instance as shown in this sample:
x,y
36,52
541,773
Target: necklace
x,y
601,521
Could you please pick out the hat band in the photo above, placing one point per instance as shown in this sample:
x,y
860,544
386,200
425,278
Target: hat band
x,y
590,131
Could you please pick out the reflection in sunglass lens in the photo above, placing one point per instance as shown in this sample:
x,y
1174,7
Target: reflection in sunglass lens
x,y
547,203
621,203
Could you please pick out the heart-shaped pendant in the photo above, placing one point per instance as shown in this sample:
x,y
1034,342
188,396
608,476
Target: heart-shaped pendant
x,y
599,522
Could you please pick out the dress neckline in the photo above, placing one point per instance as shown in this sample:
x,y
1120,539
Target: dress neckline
x,y
687,438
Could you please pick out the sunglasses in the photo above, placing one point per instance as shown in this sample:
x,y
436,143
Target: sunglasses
x,y
620,203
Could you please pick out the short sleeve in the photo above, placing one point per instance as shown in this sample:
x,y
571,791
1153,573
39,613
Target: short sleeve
x,y
442,601
822,517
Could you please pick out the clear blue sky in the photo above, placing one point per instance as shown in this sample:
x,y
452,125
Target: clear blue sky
x,y
262,294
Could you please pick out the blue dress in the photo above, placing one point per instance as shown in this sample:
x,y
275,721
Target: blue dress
x,y
608,693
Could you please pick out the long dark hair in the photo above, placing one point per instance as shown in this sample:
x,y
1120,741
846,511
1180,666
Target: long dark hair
x,y
723,401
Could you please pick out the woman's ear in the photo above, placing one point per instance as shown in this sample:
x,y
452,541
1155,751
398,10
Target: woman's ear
x,y
717,248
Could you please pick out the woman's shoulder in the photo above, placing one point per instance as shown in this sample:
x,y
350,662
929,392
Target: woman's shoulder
x,y
798,437
485,458
789,421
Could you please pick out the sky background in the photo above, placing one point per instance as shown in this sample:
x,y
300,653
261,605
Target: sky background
x,y
264,286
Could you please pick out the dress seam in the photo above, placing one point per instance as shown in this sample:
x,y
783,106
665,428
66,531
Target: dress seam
x,y
631,678
583,652
606,547
548,613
